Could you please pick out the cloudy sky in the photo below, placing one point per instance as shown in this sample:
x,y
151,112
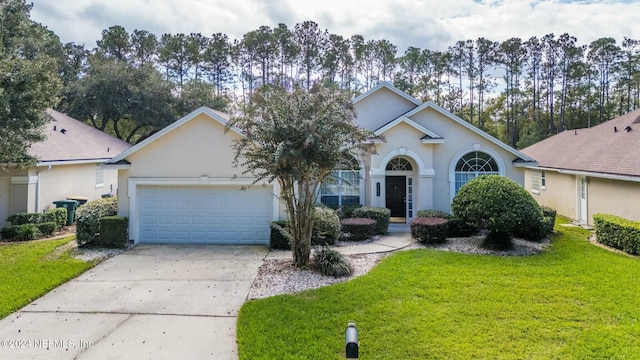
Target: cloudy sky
x,y
432,24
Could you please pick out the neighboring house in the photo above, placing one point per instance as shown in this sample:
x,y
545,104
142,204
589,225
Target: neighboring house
x,y
179,185
69,164
588,171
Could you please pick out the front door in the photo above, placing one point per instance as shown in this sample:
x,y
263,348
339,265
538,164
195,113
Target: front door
x,y
583,200
396,196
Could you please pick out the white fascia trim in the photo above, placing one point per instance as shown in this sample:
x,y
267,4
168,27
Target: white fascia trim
x,y
171,127
133,183
389,86
410,122
528,164
73,162
432,141
24,180
117,166
589,174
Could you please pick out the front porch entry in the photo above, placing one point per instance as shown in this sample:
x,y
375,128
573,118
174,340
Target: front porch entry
x,y
396,198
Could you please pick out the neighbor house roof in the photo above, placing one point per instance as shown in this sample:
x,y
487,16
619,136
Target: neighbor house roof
x,y
612,147
70,140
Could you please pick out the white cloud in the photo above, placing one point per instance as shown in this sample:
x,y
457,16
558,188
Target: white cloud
x,y
422,23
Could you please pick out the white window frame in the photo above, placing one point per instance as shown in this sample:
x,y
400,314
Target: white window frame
x,y
543,180
341,186
99,176
535,181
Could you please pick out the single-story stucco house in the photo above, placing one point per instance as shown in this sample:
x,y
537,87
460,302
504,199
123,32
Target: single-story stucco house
x,y
69,164
588,171
179,185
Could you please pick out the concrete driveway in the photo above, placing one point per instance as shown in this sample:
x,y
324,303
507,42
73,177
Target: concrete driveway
x,y
151,302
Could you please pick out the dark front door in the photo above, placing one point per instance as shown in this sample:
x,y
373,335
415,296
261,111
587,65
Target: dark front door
x,y
396,195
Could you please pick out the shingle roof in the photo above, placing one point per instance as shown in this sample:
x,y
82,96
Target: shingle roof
x,y
73,140
599,149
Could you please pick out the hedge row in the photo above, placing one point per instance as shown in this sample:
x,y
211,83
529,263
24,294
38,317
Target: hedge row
x,y
430,230
618,232
58,216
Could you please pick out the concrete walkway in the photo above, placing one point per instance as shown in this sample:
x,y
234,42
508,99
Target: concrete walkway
x,y
151,302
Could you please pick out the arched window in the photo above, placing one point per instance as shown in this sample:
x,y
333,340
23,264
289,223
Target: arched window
x,y
342,187
472,165
399,164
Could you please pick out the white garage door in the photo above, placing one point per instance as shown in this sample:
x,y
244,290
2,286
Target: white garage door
x,y
204,214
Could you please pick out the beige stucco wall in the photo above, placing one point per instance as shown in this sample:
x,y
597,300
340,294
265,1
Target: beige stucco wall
x,y
199,147
62,181
560,192
379,108
459,140
604,196
35,189
615,197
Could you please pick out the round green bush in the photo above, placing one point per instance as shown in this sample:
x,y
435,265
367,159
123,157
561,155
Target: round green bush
x,y
326,226
498,204
88,218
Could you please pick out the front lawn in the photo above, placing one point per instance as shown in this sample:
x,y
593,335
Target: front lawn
x,y
576,301
29,270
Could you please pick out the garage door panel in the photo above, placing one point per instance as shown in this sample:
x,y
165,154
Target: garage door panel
x,y
201,214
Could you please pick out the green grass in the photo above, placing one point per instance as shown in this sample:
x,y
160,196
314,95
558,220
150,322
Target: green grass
x,y
29,270
576,301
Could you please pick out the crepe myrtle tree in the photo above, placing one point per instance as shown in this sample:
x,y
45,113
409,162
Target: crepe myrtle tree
x,y
297,138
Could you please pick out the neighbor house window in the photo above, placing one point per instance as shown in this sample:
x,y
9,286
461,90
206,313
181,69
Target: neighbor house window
x,y
543,179
472,165
99,176
535,181
342,188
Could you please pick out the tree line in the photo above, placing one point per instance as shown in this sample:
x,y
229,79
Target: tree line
x,y
131,84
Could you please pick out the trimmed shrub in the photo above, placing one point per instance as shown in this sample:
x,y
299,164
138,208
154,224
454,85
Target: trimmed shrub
x,y
379,214
358,228
429,230
618,232
47,228
24,218
434,214
346,211
498,204
280,237
330,262
88,218
540,229
9,233
326,226
114,232
456,227
57,215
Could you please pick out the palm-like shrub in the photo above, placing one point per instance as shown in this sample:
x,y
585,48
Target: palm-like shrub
x,y
497,204
331,263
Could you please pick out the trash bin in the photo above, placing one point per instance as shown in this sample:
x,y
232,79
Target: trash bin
x,y
70,205
80,199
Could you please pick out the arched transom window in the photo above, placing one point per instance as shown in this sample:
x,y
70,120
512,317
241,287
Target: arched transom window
x,y
472,165
399,164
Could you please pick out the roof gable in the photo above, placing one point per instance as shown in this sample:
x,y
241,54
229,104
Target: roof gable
x,y
70,140
472,128
427,134
605,148
218,116
389,86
